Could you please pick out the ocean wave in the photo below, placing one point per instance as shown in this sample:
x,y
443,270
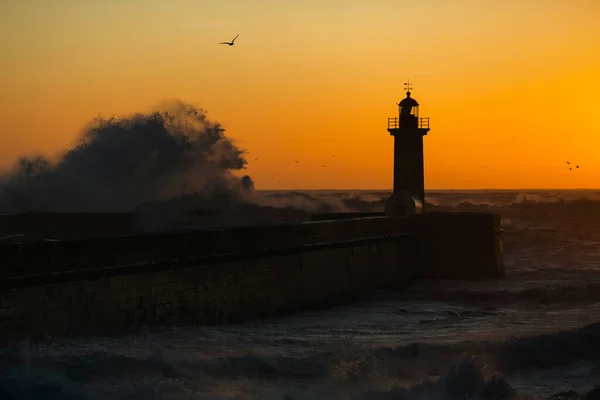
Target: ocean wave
x,y
117,164
366,201
510,207
417,370
507,198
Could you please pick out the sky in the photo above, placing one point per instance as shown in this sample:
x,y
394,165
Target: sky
x,y
512,87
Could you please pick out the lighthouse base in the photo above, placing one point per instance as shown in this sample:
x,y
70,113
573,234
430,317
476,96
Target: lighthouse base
x,y
403,203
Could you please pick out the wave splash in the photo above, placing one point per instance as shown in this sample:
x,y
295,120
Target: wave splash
x,y
120,163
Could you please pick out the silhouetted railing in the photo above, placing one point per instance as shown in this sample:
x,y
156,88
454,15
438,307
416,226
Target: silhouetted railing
x,y
394,123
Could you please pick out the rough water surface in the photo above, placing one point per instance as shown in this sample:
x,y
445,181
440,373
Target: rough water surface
x,y
535,333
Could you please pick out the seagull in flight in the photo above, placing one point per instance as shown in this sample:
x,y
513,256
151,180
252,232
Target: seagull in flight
x,y
230,43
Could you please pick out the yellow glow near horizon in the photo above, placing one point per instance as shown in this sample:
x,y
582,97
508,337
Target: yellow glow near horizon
x,y
511,87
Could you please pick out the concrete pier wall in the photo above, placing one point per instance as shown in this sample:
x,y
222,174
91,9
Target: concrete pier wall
x,y
113,285
42,257
110,301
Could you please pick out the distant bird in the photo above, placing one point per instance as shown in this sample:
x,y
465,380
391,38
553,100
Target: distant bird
x,y
570,168
231,43
324,166
568,163
297,162
256,159
333,155
577,166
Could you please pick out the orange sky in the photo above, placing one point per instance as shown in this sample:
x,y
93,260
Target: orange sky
x,y
512,87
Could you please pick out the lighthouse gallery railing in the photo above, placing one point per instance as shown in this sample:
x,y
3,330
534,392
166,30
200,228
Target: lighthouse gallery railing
x,y
394,123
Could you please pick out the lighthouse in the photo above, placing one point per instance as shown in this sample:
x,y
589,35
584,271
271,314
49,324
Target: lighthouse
x,y
408,130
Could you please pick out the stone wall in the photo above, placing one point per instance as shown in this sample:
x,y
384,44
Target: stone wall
x,y
109,301
107,286
43,257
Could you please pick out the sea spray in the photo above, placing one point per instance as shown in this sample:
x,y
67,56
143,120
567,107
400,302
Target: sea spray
x,y
119,163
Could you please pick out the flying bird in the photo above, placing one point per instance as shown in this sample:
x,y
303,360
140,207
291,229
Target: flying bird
x,y
297,162
230,43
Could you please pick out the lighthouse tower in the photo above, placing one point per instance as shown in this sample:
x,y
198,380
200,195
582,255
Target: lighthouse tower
x,y
408,130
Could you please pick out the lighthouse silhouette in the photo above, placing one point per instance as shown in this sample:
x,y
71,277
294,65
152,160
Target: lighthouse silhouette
x,y
408,130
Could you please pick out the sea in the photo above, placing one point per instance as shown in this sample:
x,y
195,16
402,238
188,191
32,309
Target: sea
x,y
532,334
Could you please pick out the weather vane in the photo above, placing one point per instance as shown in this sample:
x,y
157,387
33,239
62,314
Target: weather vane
x,y
408,86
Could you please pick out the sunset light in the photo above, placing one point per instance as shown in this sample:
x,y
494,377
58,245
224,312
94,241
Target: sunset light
x,y
511,87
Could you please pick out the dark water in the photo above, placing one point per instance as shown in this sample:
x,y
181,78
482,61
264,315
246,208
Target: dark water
x,y
534,333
